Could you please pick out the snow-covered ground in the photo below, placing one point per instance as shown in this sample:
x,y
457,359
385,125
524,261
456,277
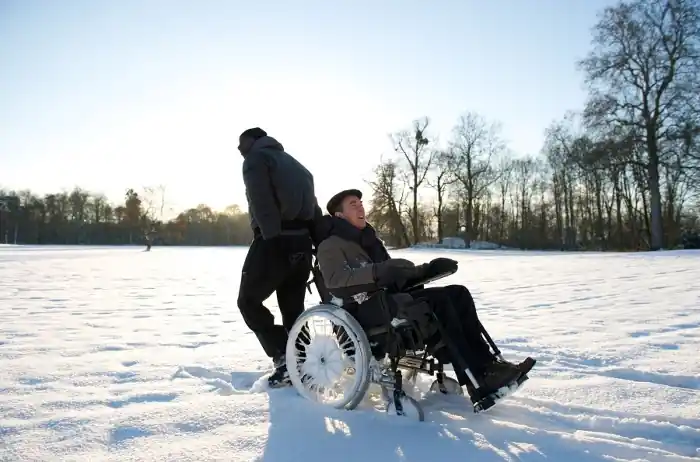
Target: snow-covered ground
x,y
115,354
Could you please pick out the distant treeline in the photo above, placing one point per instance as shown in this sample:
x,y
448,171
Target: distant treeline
x,y
80,217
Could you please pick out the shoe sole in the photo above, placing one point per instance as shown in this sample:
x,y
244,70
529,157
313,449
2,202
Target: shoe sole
x,y
487,402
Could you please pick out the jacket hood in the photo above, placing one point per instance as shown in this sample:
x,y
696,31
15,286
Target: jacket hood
x,y
266,142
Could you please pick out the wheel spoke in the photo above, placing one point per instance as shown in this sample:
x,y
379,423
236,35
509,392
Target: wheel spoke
x,y
325,350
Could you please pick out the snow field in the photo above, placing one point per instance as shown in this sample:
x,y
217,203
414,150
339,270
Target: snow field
x,y
115,354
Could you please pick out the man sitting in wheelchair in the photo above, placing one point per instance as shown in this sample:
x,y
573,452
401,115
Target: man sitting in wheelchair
x,y
356,266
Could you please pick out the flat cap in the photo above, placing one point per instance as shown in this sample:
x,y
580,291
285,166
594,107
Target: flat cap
x,y
334,204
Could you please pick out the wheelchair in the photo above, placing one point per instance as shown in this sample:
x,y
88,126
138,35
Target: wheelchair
x,y
337,366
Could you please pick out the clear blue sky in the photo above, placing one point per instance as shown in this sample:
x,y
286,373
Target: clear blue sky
x,y
115,94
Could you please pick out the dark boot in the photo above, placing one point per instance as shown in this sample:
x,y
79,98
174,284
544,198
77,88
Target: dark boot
x,y
497,375
526,365
280,376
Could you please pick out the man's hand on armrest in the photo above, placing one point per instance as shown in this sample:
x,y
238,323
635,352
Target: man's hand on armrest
x,y
394,273
435,268
442,266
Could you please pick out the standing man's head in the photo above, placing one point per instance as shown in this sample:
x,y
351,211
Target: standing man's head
x,y
348,205
248,137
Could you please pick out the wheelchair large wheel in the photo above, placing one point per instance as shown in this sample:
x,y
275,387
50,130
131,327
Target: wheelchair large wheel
x,y
328,357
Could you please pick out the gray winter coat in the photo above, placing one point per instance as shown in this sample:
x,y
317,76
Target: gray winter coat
x,y
279,189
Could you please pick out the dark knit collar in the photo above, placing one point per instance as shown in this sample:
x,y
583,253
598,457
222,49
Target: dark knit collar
x,y
365,237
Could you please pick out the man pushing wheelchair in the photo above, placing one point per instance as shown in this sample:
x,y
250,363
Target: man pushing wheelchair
x,y
355,266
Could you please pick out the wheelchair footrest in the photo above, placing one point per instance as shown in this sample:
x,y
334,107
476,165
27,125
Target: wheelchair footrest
x,y
489,401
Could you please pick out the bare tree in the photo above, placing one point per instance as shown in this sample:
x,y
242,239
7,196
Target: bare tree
x,y
154,202
642,70
443,178
474,144
160,189
505,165
388,203
412,145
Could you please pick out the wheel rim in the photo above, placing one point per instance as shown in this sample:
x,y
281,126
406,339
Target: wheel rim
x,y
326,354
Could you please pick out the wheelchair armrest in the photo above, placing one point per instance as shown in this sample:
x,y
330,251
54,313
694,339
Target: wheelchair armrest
x,y
412,284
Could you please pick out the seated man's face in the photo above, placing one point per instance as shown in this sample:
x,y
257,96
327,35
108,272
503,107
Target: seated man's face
x,y
353,211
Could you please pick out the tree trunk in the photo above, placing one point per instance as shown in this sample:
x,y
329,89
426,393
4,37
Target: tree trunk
x,y
656,228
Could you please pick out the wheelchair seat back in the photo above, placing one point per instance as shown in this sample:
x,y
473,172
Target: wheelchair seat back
x,y
317,280
382,335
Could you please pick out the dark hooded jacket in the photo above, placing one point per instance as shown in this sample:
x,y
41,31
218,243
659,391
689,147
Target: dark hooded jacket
x,y
279,189
352,260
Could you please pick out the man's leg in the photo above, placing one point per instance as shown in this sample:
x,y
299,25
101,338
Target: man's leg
x,y
459,339
464,302
259,279
465,308
460,325
291,293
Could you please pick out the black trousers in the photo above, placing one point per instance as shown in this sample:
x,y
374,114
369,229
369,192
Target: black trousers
x,y
268,269
459,326
455,311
